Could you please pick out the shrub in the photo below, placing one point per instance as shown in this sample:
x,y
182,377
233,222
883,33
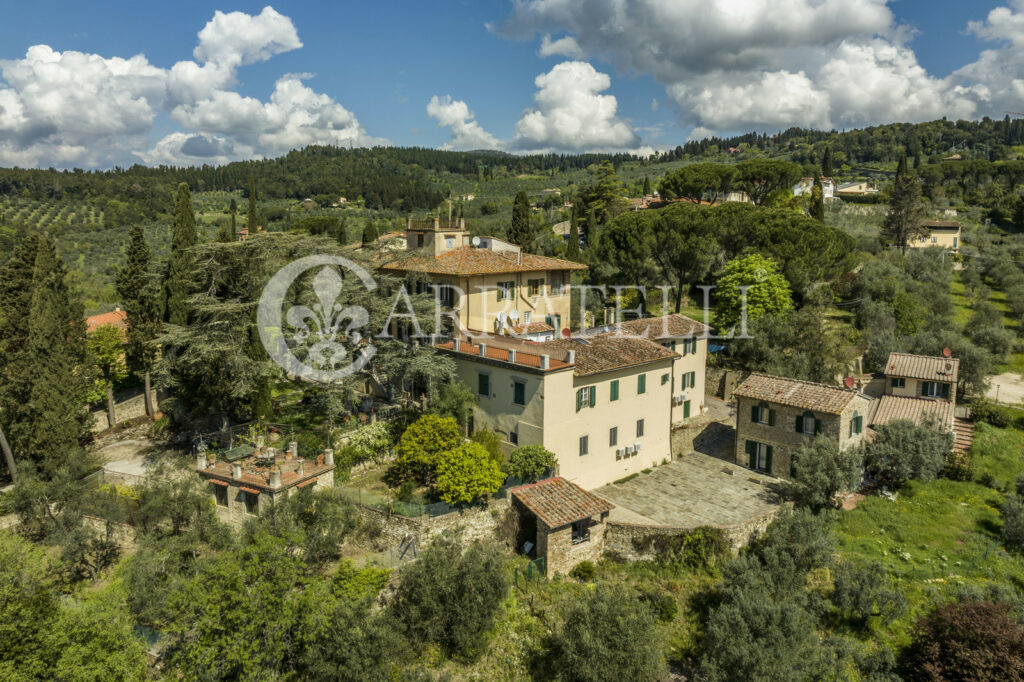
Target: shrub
x,y
662,604
864,591
970,641
1013,524
529,462
821,471
491,442
697,548
807,538
467,473
904,450
422,445
584,571
610,634
450,597
405,491
985,411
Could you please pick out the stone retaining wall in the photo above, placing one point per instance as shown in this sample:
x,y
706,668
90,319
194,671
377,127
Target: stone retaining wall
x,y
476,523
126,410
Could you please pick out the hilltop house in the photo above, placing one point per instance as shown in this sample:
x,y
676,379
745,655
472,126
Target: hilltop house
x,y
942,233
856,189
776,415
602,403
828,187
500,285
917,386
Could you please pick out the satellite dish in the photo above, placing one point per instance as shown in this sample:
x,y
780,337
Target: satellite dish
x,y
566,332
499,321
513,315
947,353
850,382
475,241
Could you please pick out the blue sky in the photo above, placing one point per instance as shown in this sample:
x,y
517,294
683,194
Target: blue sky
x,y
631,74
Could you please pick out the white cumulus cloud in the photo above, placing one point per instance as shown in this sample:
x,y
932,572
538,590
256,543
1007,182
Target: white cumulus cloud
x,y
466,132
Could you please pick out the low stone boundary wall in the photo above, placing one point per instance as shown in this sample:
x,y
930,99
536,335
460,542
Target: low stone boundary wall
x,y
126,410
477,523
622,538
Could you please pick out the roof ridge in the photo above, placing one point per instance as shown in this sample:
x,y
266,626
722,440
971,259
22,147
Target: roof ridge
x,y
844,389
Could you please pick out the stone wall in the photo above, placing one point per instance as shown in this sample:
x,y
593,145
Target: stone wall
x,y
561,555
622,538
476,523
720,382
127,409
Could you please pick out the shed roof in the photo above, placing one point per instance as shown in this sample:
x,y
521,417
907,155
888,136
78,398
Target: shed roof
x,y
927,367
557,502
893,407
796,393
605,352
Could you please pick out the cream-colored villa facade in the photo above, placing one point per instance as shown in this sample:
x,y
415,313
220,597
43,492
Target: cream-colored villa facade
x,y
602,403
492,285
941,233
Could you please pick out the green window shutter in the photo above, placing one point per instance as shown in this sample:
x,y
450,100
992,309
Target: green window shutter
x,y
924,388
768,459
817,426
593,395
771,417
800,424
752,453
641,384
858,424
693,379
615,390
686,409
945,390
579,399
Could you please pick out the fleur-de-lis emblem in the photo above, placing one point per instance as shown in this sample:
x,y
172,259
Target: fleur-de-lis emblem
x,y
320,327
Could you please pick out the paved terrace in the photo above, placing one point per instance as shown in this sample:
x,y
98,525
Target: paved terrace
x,y
695,490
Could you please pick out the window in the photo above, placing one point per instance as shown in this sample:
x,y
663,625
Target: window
x,y
671,345
639,428
449,242
689,346
586,397
519,392
513,437
934,389
506,290
935,240
762,414
527,316
898,382
759,456
536,286
856,424
664,379
581,531
613,436
686,409
252,503
689,380
483,384
615,390
419,239
956,241
557,285
584,445
808,424
220,493
641,384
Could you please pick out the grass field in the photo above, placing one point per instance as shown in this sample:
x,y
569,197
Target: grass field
x,y
963,309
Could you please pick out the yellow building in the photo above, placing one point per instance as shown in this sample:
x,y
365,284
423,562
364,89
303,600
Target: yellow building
x,y
495,285
942,233
602,403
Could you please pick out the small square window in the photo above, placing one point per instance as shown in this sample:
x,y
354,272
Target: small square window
x,y
483,384
220,493
513,437
581,531
664,379
899,382
519,392
252,503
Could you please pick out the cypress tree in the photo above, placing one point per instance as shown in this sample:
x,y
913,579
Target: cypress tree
x,y
180,265
817,207
369,232
56,416
826,163
903,221
647,186
260,401
227,232
252,205
521,230
572,250
134,286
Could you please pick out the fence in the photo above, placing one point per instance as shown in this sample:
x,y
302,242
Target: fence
x,y
535,570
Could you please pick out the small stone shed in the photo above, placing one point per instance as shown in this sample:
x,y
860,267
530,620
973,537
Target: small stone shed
x,y
565,523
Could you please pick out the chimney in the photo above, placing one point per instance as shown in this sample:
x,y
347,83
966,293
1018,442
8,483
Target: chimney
x,y
201,461
483,350
275,478
329,457
292,451
572,357
545,361
236,471
511,354
301,468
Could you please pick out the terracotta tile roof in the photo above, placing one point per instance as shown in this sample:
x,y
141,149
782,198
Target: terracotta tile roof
x,y
927,367
557,502
941,224
893,407
467,260
118,318
673,325
796,393
604,352
528,354
532,328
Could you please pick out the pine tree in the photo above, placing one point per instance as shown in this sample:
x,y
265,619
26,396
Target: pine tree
x,y
135,287
179,267
647,186
56,415
252,205
826,163
521,230
369,232
817,208
572,250
903,221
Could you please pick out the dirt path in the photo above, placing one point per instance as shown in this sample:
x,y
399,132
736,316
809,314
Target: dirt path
x,y
1007,388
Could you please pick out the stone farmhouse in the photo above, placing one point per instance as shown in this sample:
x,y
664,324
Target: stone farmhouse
x,y
247,480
